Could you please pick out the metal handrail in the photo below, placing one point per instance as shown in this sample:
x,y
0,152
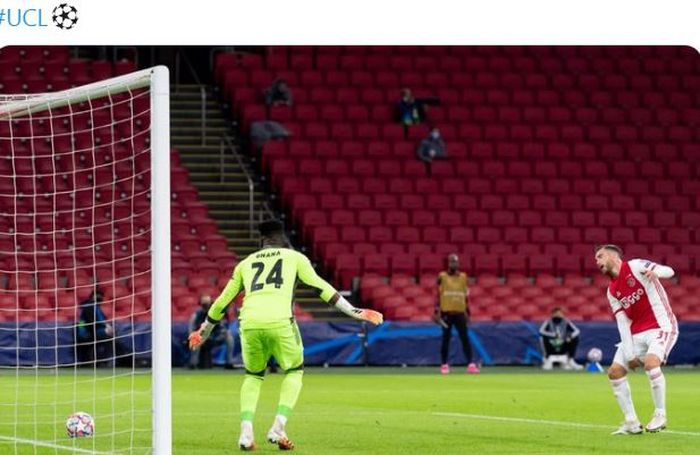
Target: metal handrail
x,y
226,140
202,91
203,98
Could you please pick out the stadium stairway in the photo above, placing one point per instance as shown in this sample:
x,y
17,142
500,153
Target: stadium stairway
x,y
228,201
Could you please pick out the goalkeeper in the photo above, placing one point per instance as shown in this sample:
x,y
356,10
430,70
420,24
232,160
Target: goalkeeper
x,y
267,326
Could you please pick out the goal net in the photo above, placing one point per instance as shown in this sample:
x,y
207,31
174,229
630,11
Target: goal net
x,y
85,267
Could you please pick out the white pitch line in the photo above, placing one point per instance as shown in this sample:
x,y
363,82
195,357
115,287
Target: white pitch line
x,y
50,445
559,423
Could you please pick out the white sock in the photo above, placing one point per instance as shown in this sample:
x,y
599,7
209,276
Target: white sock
x,y
623,394
280,421
246,427
657,380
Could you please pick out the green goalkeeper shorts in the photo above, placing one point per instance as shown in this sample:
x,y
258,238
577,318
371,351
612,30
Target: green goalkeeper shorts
x,y
282,343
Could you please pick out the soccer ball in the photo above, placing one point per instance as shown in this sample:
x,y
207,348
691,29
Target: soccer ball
x,y
65,16
595,355
80,425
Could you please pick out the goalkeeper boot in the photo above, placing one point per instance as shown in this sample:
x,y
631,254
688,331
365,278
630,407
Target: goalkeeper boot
x,y
629,427
658,423
278,436
247,439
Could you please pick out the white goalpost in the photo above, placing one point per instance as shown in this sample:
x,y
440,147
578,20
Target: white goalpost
x,y
85,218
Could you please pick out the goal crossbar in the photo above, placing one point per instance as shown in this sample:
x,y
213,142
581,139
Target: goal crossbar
x,y
46,101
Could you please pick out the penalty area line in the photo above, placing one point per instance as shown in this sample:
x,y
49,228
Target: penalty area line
x,y
559,423
50,445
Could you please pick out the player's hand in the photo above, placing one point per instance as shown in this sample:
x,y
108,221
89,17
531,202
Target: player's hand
x,y
375,317
195,340
649,273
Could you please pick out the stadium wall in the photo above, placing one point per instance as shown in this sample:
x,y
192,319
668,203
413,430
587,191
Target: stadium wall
x,y
393,343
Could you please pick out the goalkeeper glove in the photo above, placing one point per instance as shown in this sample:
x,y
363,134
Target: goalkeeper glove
x,y
363,314
199,336
375,317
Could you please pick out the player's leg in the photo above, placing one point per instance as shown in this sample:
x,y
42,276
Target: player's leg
x,y
288,350
462,331
617,373
194,358
104,355
445,346
660,344
570,347
548,349
255,352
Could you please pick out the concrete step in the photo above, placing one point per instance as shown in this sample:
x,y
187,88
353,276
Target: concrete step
x,y
232,204
219,124
183,113
242,237
209,154
195,129
225,196
237,189
194,103
186,87
200,180
212,186
240,183
228,214
236,225
208,171
200,150
178,138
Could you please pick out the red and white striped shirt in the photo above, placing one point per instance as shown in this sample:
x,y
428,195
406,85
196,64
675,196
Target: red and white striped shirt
x,y
643,300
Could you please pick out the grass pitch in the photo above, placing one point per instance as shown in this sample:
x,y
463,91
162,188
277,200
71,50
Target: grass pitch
x,y
357,411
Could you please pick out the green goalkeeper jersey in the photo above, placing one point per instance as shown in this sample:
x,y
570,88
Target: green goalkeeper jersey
x,y
269,278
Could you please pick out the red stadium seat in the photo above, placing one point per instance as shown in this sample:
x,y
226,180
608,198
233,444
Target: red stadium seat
x,y
602,140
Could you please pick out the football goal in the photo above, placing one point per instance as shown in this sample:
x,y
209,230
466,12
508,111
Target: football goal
x,y
85,267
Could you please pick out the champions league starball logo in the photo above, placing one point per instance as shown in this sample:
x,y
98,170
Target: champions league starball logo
x,y
65,16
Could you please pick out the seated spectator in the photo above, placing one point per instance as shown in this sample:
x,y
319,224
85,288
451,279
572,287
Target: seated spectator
x,y
559,341
431,148
410,111
278,94
220,335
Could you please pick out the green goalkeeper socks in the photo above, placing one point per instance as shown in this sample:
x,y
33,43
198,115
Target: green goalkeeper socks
x,y
289,392
250,392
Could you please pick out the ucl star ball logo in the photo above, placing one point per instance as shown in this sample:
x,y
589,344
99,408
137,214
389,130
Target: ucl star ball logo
x,y
65,16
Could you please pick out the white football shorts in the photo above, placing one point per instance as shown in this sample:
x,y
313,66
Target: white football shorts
x,y
654,341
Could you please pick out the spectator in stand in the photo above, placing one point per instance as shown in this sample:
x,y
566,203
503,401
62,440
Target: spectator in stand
x,y
559,341
220,335
410,111
431,148
278,94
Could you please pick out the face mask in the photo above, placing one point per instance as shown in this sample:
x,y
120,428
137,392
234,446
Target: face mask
x,y
557,320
